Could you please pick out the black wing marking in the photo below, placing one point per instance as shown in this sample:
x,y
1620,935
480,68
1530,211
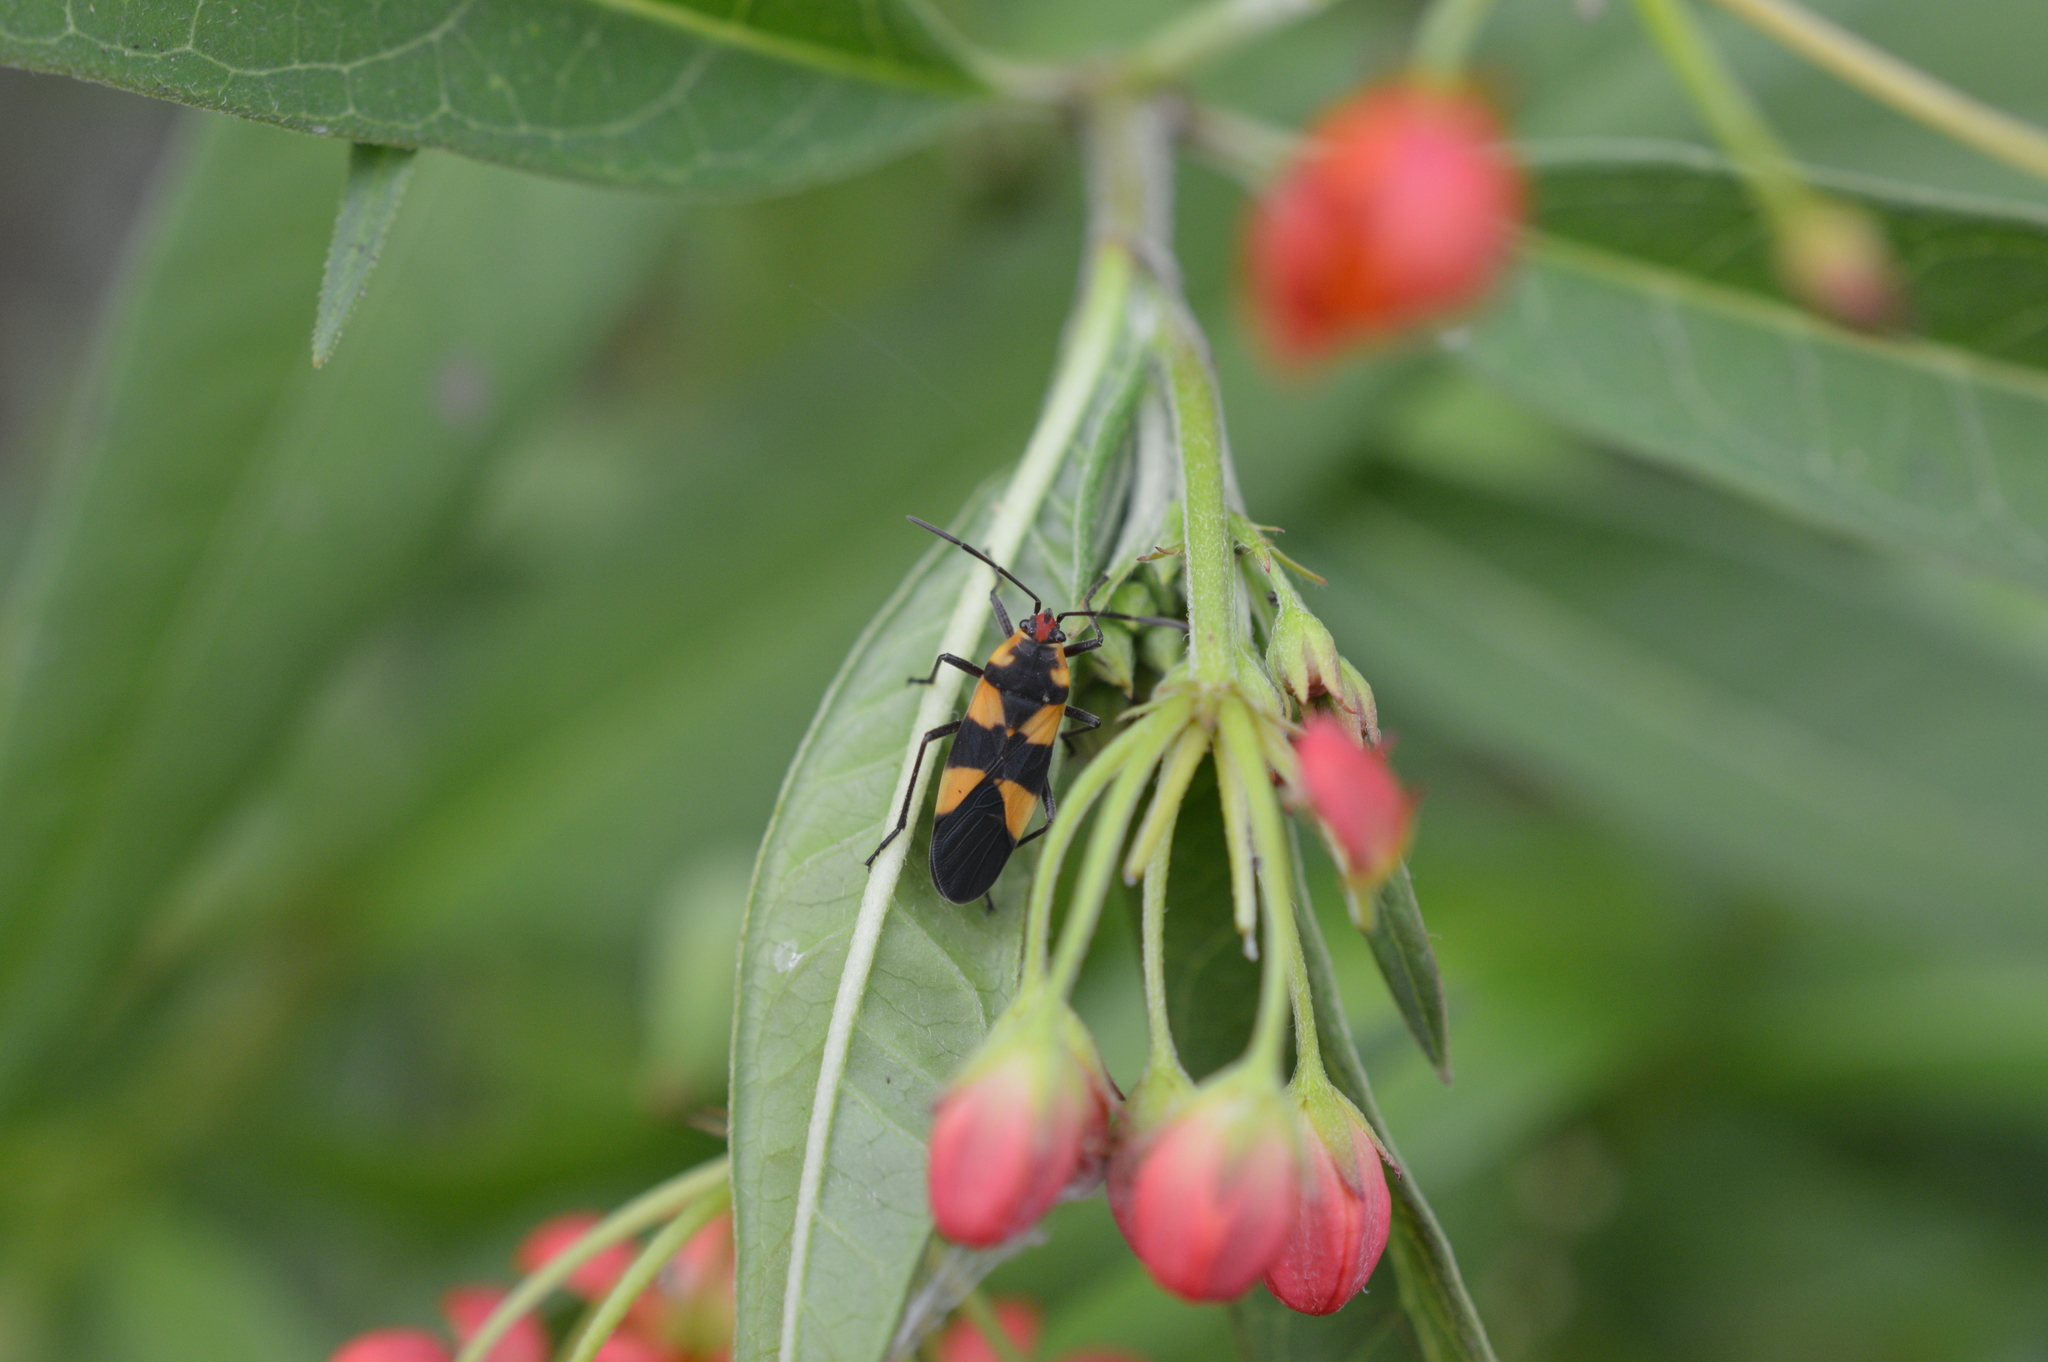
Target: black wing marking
x,y
971,845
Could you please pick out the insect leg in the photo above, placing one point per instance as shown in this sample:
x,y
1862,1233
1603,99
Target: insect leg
x,y
995,602
1086,645
962,663
1083,718
903,818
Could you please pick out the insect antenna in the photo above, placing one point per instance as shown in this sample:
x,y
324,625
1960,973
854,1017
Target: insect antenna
x,y
1037,606
1181,625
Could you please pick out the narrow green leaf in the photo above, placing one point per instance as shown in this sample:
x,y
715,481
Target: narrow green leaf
x,y
1645,313
662,93
1400,947
369,204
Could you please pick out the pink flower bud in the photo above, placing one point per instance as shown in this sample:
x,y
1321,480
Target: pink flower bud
x,y
392,1345
593,1279
1027,1121
1341,1227
1403,209
467,1307
964,1341
1214,1192
1354,795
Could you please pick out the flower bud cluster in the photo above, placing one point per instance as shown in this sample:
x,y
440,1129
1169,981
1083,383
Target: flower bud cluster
x,y
685,1316
1215,1188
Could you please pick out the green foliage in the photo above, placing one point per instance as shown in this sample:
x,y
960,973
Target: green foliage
x,y
378,745
657,93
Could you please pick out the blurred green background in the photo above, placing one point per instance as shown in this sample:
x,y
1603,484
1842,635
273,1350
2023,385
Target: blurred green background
x,y
426,711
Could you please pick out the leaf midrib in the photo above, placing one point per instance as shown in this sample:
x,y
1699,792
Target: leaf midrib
x,y
877,71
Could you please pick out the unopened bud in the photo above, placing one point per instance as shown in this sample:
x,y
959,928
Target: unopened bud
x,y
1403,209
1026,1122
592,1280
466,1309
1834,258
1354,795
1341,1227
964,1341
1303,659
1213,1194
392,1345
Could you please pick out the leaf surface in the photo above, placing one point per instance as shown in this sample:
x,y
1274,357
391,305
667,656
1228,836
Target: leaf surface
x,y
1645,314
657,93
941,975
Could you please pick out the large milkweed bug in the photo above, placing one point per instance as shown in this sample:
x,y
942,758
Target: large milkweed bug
x,y
1001,764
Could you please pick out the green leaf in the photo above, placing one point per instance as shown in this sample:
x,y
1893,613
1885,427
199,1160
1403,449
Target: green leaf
x,y
231,519
941,975
1772,707
1400,947
1644,313
369,204
658,93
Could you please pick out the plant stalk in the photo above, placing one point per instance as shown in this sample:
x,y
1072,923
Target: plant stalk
x,y
1904,87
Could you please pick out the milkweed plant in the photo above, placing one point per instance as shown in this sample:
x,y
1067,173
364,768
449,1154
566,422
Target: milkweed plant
x,y
913,1088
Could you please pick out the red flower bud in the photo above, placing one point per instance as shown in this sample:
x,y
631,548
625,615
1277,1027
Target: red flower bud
x,y
1214,1191
1354,795
1341,1227
467,1307
1402,209
1027,1121
632,1348
964,1341
594,1279
392,1345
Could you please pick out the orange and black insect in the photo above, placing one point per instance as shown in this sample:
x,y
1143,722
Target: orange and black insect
x,y
1001,763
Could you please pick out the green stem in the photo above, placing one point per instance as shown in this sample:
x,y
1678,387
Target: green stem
x,y
1205,479
976,1306
1905,88
1286,971
1146,741
1074,806
1174,778
611,1311
1206,32
1152,938
1730,114
1444,40
1234,777
650,1208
